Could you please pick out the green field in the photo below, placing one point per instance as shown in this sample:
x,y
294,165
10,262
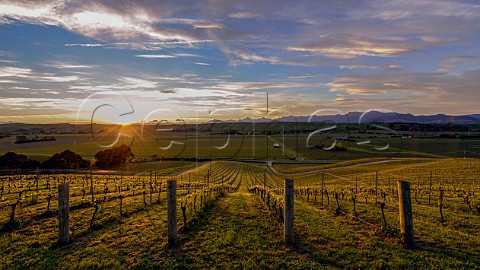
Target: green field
x,y
251,147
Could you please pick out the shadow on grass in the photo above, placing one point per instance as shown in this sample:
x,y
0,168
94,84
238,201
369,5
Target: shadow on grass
x,y
461,255
302,247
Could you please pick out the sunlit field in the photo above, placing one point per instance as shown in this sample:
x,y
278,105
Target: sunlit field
x,y
224,215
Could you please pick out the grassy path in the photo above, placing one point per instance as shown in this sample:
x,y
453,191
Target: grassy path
x,y
236,233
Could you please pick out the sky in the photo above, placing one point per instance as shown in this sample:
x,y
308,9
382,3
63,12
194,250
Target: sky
x,y
129,61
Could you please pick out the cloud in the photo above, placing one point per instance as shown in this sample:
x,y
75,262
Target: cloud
x,y
243,15
154,56
59,79
357,67
84,45
448,63
304,76
95,20
135,83
250,86
7,81
410,92
208,25
67,65
202,64
400,9
378,84
241,57
14,72
350,46
165,56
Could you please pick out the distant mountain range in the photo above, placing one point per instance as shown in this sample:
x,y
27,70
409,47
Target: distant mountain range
x,y
374,116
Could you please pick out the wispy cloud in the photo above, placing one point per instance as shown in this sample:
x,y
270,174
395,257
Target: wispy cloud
x,y
14,72
84,45
451,62
304,76
154,56
409,92
165,56
60,79
357,67
208,25
243,15
67,65
350,46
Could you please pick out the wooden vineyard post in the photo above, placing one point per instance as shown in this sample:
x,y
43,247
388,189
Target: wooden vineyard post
x,y
151,187
376,187
63,214
289,202
172,211
91,186
323,184
36,182
430,188
405,210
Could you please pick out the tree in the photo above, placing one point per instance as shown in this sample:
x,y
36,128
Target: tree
x,y
113,157
13,160
65,160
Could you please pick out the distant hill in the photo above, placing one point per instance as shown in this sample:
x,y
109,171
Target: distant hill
x,y
375,116
476,116
351,117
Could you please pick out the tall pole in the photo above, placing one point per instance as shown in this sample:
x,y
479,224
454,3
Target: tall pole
x,y
267,102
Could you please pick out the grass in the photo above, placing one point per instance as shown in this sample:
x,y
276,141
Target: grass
x,y
352,245
203,145
237,231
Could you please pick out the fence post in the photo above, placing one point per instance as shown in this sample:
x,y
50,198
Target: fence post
x,y
323,184
36,182
376,187
63,214
172,211
405,210
430,188
288,222
91,186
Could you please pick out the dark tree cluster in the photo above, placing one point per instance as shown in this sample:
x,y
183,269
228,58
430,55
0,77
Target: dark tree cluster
x,y
65,160
13,160
113,157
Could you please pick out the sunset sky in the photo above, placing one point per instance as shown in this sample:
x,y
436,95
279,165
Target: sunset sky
x,y
126,61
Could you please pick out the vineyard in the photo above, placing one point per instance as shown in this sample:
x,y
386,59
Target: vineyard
x,y
343,212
